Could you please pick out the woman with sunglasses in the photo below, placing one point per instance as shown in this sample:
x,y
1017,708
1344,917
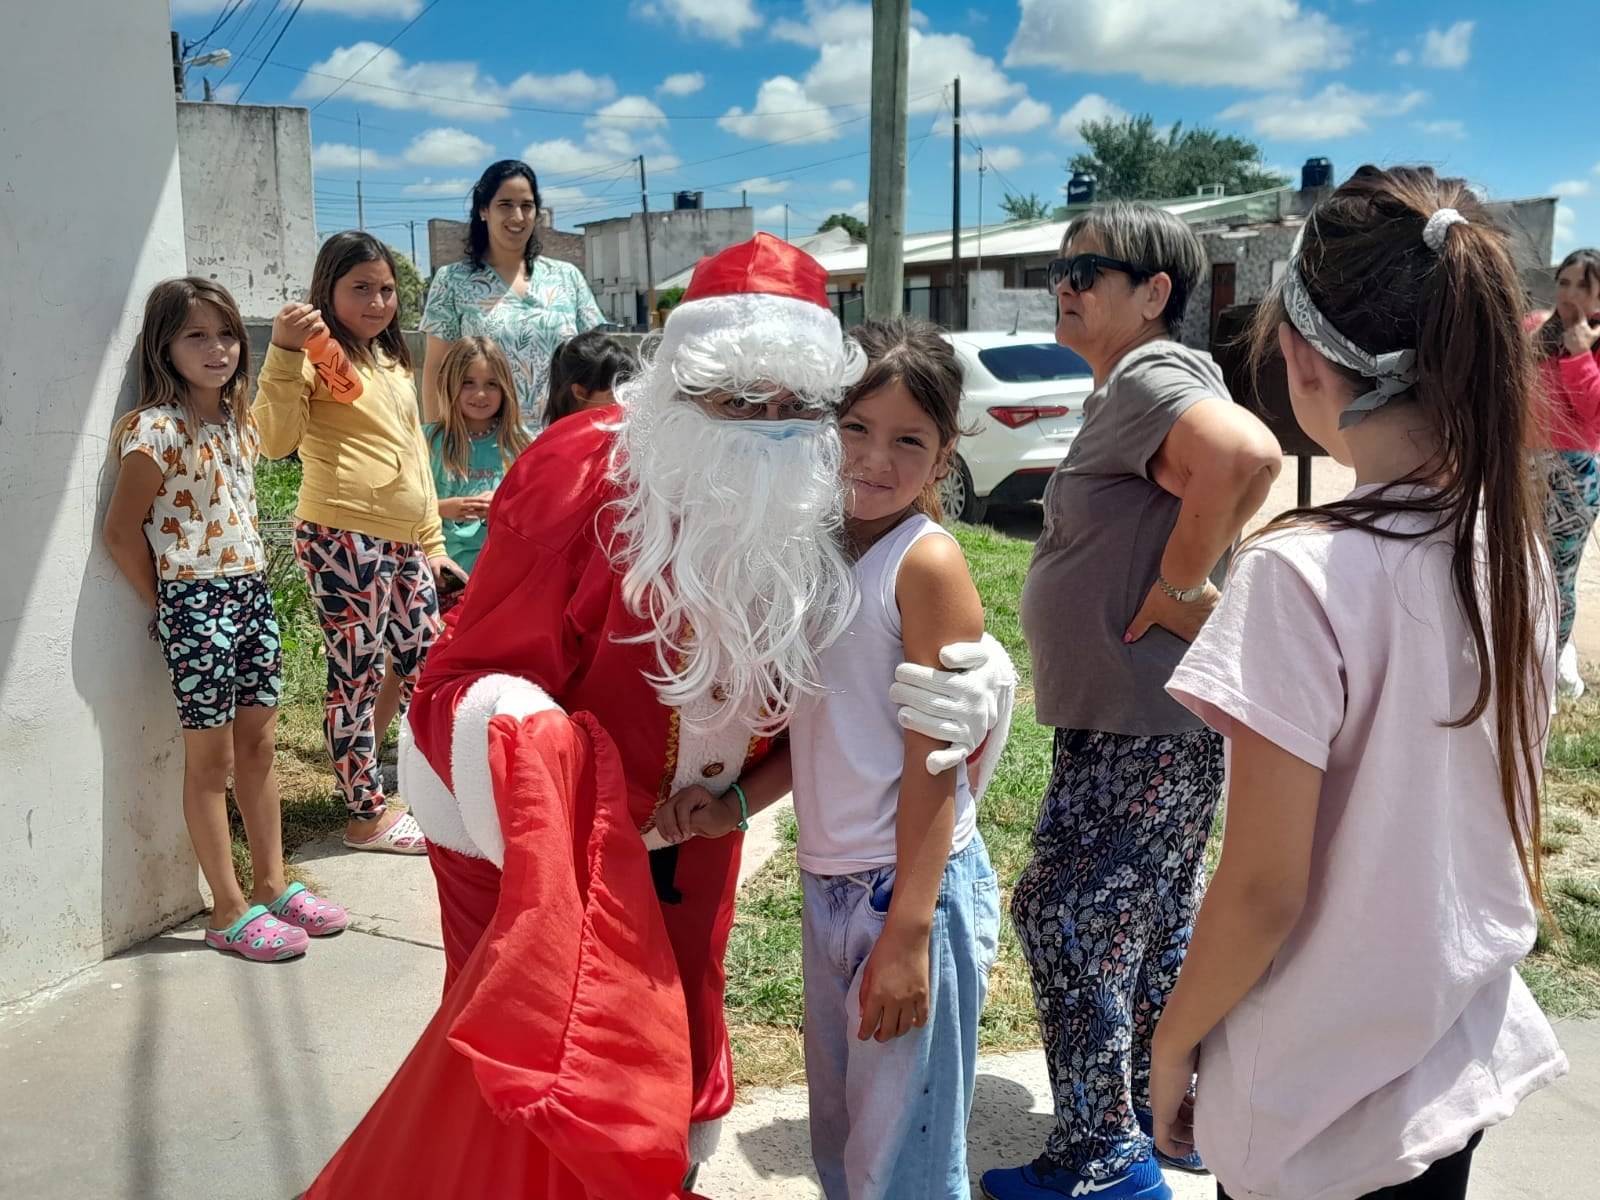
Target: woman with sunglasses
x,y
1160,480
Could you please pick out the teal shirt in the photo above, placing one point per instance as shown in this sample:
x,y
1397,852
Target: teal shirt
x,y
464,539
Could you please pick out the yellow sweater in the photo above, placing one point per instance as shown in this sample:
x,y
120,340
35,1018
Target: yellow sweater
x,y
365,464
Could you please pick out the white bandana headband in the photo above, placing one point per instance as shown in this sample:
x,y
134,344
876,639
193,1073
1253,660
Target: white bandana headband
x,y
1393,372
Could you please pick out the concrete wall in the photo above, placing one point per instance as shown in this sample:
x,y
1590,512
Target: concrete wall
x,y
447,242
91,823
991,306
678,239
248,217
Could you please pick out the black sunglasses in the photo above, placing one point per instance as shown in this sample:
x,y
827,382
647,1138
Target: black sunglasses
x,y
1081,270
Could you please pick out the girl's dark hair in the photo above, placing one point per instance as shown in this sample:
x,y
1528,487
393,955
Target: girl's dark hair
x,y
912,351
1368,270
483,194
1548,336
592,361
341,254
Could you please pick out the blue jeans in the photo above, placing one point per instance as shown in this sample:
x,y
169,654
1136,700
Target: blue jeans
x,y
889,1120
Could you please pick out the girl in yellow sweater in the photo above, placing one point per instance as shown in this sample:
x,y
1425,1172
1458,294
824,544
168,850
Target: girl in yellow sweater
x,y
368,532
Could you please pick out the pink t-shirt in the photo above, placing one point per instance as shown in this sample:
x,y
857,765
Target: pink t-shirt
x,y
1393,1024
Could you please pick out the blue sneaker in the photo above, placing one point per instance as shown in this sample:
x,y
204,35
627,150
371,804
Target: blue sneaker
x,y
1190,1162
1042,1179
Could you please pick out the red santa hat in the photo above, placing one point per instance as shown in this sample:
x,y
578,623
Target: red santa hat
x,y
759,312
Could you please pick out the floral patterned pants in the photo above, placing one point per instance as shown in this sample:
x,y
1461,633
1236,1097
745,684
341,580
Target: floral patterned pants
x,y
1104,911
371,595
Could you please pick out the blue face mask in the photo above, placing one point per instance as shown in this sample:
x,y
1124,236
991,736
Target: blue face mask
x,y
779,431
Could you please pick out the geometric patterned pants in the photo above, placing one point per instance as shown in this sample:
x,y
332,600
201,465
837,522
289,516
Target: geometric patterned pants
x,y
371,594
1104,911
1569,513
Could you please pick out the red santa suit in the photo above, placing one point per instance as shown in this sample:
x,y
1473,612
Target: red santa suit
x,y
582,1028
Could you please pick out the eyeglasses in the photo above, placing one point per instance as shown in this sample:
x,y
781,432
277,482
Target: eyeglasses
x,y
732,406
1081,270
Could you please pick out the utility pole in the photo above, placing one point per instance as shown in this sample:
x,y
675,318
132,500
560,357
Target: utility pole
x,y
786,222
361,208
649,270
177,65
413,225
958,310
886,186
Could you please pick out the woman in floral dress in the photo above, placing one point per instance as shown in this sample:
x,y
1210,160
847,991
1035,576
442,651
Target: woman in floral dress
x,y
506,290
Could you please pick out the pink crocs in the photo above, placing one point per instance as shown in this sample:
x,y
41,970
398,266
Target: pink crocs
x,y
301,907
260,937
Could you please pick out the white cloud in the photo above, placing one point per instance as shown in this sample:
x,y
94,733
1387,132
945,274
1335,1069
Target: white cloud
x,y
790,109
1334,112
227,93
1449,49
562,156
1026,115
1446,129
1227,43
774,214
858,209
448,148
999,158
685,84
1566,234
338,156
1402,58
719,20
446,89
427,186
1091,107
842,185
762,186
627,127
1570,187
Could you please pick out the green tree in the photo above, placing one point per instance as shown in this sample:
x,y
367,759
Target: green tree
x,y
408,283
854,226
1133,160
1025,208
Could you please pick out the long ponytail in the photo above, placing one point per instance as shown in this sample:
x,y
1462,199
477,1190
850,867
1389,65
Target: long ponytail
x,y
1368,270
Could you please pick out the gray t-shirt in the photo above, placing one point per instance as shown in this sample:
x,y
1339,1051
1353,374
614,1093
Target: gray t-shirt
x,y
1106,525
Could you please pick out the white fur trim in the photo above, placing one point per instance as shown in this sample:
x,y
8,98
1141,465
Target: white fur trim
x,y
757,337
704,1137
431,802
723,750
490,697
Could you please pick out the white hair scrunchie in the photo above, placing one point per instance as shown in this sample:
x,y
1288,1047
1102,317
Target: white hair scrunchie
x,y
1433,233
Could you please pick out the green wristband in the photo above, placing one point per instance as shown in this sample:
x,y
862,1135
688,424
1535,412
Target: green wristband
x,y
744,806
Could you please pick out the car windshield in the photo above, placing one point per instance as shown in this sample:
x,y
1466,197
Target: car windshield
x,y
1035,362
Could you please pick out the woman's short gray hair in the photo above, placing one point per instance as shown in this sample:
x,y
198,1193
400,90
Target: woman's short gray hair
x,y
1153,240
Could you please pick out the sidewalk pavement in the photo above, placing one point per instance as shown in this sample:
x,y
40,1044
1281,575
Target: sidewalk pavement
x,y
173,1072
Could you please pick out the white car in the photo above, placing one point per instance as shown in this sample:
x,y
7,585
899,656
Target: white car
x,y
1020,409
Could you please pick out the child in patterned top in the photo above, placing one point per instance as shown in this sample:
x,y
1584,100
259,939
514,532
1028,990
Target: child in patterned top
x,y
182,528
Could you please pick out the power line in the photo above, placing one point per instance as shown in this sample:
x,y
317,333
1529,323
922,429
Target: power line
x,y
223,18
283,29
269,10
426,9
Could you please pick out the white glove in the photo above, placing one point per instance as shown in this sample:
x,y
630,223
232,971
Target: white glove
x,y
959,706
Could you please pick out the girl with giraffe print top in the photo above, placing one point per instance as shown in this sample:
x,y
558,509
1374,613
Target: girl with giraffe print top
x,y
182,528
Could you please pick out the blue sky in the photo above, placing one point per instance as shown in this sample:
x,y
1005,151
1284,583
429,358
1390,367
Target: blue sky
x,y
769,96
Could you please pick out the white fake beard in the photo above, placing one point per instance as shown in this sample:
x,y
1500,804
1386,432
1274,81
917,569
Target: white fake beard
x,y
734,536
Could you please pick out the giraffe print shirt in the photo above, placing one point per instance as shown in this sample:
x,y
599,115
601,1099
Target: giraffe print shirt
x,y
203,523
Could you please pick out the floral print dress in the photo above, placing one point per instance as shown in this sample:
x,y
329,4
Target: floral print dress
x,y
468,301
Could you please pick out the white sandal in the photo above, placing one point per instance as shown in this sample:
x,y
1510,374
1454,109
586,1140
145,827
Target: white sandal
x,y
403,837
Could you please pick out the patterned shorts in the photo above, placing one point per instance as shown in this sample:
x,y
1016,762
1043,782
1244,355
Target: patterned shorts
x,y
220,639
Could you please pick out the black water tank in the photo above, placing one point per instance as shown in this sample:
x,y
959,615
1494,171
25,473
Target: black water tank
x,y
684,200
1081,188
1317,173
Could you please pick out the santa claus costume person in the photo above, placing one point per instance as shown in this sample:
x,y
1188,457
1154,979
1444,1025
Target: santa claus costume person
x,y
659,580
